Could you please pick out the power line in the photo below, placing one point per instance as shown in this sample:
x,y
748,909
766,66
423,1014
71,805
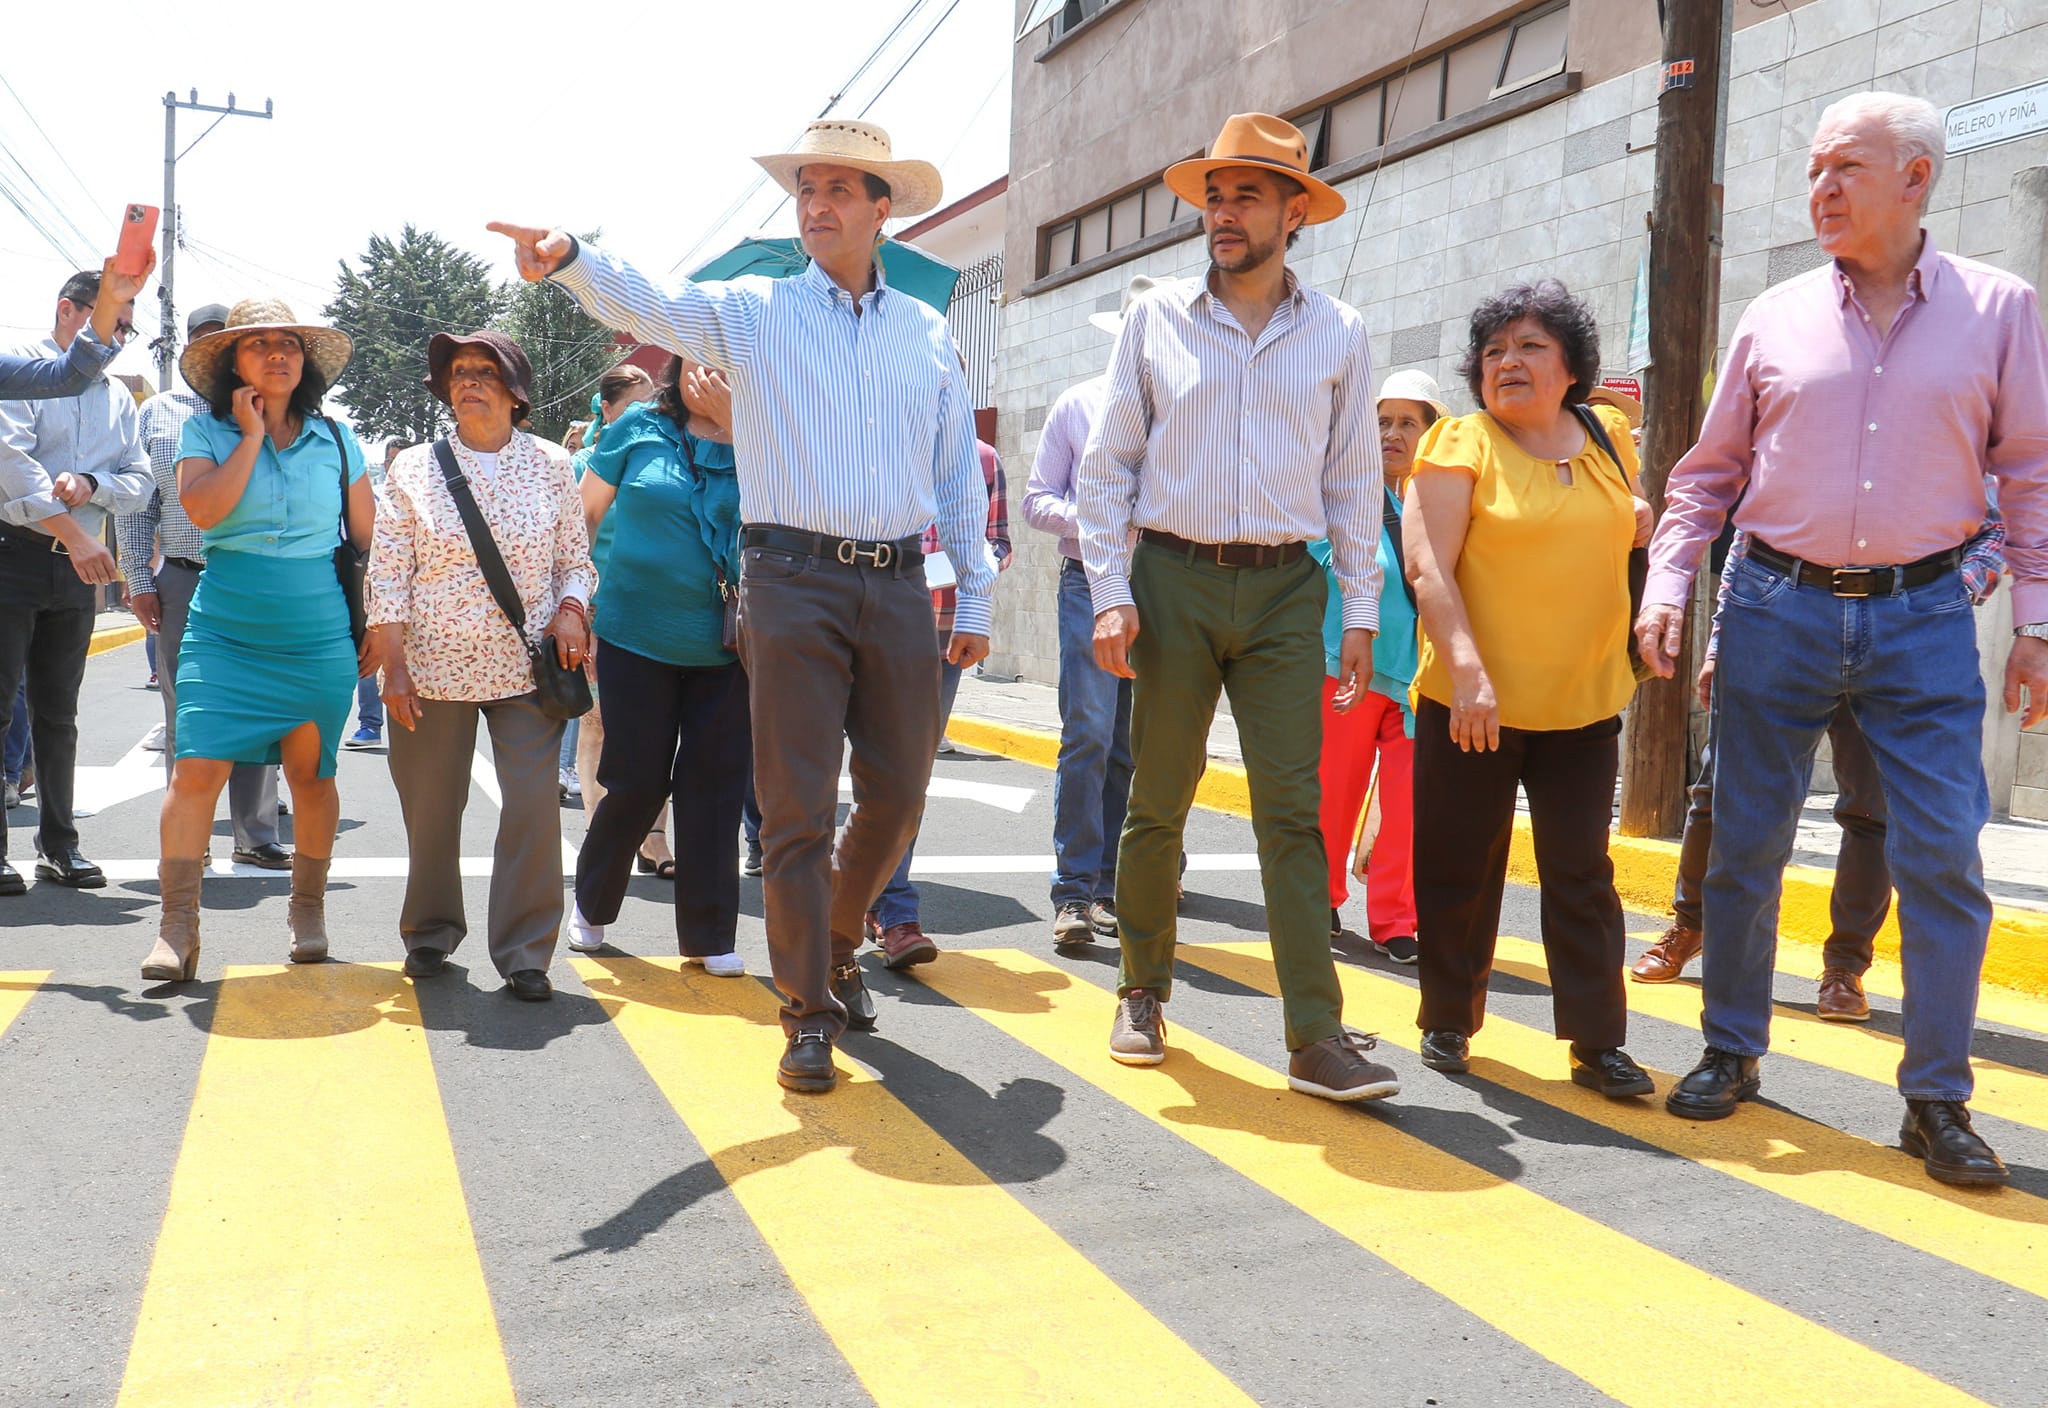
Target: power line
x,y
55,150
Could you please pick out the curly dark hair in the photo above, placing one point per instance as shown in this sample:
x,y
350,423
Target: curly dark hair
x,y
669,399
307,396
1562,314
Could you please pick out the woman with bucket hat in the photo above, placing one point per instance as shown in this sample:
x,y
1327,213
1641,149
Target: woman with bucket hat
x,y
267,665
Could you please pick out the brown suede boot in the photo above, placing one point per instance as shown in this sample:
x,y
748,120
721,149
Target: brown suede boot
x,y
176,955
307,915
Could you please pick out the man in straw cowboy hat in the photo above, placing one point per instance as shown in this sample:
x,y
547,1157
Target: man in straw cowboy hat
x,y
1240,424
853,431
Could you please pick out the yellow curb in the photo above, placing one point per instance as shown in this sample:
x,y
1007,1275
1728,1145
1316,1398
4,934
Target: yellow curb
x,y
1644,870
114,637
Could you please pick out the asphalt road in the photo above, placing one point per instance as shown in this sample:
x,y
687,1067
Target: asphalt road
x,y
321,1186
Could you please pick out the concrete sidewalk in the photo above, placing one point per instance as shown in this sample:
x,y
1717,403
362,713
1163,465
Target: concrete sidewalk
x,y
2015,852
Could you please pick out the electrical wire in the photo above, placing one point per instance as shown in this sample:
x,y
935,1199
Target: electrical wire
x,y
1358,238
90,195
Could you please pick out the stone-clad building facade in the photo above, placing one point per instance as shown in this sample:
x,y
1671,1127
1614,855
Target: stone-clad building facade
x,y
1478,143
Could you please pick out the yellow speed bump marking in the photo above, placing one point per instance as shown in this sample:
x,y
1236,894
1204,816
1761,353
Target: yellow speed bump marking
x,y
2006,1091
935,1283
1550,1277
317,1248
2003,1236
15,991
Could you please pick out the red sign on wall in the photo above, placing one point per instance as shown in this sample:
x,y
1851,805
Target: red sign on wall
x,y
1631,386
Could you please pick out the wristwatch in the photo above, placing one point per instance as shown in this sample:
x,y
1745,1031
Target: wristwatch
x,y
2038,630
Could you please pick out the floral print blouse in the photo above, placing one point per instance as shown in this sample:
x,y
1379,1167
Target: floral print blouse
x,y
423,574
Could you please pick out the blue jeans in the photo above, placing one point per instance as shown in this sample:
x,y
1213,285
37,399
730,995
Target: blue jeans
x,y
898,904
1093,783
1907,667
565,761
14,751
369,705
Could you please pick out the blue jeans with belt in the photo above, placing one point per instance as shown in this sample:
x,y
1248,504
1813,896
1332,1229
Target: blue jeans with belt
x,y
1906,666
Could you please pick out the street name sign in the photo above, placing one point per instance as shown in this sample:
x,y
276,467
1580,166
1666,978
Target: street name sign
x,y
2002,117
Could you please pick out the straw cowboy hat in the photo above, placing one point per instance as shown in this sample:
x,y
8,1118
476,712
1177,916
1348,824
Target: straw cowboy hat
x,y
1256,139
1414,386
1621,401
1113,323
839,141
208,362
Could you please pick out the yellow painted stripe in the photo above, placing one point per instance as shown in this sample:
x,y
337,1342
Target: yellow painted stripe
x,y
2006,1091
937,1285
15,991
317,1248
114,637
1872,1186
1563,1284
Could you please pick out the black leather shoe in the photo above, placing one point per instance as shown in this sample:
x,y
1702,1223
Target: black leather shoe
x,y
1610,1072
268,856
11,882
424,962
807,1065
1449,1052
848,987
68,867
529,985
1712,1089
1938,1133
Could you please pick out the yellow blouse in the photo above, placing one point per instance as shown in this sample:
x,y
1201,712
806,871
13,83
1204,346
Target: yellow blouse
x,y
1544,572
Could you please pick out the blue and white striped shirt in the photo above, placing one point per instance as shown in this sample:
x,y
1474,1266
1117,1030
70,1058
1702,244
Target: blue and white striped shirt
x,y
852,424
1273,440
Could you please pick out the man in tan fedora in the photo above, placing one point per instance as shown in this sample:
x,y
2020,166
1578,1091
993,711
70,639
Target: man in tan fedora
x,y
1227,474
854,432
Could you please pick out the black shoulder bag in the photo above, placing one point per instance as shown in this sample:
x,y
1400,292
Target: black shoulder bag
x,y
351,563
564,693
1638,558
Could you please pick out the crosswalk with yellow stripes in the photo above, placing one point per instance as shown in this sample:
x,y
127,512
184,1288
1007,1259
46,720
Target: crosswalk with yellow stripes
x,y
318,1244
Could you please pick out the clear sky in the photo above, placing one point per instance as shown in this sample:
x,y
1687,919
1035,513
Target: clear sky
x,y
640,122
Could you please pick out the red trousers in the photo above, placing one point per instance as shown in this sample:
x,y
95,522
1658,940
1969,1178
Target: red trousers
x,y
1350,744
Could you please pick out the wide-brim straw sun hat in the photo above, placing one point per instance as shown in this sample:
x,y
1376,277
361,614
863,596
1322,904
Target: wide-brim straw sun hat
x,y
1621,401
1256,139
1414,385
209,361
1113,323
914,186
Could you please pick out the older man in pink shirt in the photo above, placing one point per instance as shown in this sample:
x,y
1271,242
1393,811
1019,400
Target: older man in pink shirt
x,y
1860,411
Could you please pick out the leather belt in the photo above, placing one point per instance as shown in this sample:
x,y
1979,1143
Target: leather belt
x,y
885,554
187,563
29,538
1858,581
1227,554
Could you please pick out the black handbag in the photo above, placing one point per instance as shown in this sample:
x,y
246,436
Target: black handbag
x,y
563,693
1638,558
351,563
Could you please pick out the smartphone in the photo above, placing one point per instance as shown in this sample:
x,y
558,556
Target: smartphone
x,y
138,233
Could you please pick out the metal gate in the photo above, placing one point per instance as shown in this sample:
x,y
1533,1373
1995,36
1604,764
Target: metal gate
x,y
974,317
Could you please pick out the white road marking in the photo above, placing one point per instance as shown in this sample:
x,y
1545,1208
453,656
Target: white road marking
x,y
137,774
992,794
394,867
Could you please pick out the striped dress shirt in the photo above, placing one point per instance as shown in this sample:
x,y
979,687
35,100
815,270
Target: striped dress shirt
x,y
853,424
1241,440
161,522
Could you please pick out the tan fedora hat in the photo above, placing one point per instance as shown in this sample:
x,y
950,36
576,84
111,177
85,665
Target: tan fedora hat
x,y
839,141
1113,323
1256,139
207,362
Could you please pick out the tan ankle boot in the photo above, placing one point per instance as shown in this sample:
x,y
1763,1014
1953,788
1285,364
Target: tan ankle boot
x,y
307,916
176,955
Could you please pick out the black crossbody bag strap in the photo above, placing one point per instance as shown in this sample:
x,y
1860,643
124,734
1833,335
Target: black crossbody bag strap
x,y
1638,558
1390,521
481,543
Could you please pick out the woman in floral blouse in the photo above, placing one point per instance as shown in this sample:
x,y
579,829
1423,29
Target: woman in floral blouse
x,y
451,656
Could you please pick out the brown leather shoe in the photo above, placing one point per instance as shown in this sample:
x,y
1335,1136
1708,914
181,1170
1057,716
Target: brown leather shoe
x,y
905,946
1841,997
1665,959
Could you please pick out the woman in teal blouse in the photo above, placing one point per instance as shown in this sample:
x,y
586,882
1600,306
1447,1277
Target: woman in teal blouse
x,y
675,697
267,668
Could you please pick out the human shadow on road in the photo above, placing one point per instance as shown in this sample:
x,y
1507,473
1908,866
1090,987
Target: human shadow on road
x,y
57,906
1022,992
492,1019
954,909
1216,909
117,1000
2026,1053
1184,974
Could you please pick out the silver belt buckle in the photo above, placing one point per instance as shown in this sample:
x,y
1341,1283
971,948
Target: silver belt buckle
x,y
875,555
1842,577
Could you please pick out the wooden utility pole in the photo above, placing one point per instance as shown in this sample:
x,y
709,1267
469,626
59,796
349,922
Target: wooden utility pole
x,y
1685,282
166,344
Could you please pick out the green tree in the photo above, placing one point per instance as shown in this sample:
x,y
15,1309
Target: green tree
x,y
403,293
569,350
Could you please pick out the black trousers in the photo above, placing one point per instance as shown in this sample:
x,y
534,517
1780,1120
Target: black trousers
x,y
670,732
1464,821
46,617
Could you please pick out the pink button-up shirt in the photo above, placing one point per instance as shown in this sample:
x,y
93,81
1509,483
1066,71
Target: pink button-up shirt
x,y
1861,448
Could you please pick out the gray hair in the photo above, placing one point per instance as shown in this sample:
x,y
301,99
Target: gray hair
x,y
1914,124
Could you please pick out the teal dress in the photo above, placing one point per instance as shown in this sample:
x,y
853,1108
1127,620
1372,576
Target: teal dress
x,y
267,647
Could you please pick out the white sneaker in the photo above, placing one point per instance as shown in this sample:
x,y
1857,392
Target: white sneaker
x,y
723,965
153,741
570,783
584,936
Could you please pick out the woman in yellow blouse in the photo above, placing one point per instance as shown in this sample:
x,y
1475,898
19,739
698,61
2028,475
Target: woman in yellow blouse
x,y
1517,536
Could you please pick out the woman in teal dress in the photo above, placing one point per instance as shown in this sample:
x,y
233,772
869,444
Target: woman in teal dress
x,y
267,667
